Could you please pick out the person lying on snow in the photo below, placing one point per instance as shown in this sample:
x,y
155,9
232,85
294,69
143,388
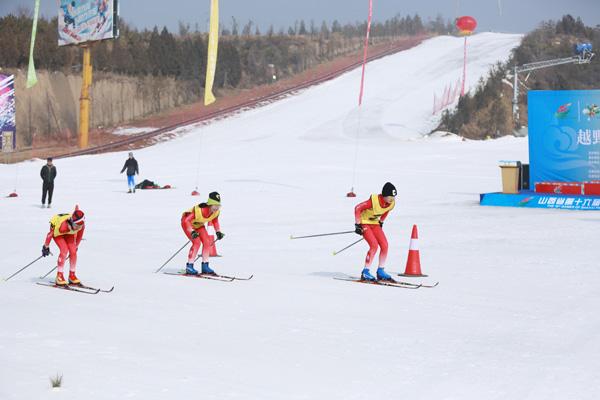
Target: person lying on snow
x,y
146,184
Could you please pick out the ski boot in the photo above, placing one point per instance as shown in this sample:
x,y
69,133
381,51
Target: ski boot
x,y
190,270
366,276
383,276
73,279
206,270
60,280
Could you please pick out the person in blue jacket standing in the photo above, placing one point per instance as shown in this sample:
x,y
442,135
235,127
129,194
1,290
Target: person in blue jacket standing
x,y
131,165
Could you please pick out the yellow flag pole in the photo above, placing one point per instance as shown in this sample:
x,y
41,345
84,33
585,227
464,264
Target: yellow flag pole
x,y
31,76
213,47
84,100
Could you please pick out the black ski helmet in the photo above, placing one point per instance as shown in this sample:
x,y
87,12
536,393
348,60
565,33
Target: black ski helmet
x,y
388,190
214,199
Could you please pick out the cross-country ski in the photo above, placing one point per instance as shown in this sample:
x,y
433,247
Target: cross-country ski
x,y
213,277
72,288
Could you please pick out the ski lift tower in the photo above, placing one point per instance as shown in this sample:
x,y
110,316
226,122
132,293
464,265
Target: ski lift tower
x,y
583,55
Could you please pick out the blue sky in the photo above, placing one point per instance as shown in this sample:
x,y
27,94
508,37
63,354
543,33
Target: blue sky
x,y
497,15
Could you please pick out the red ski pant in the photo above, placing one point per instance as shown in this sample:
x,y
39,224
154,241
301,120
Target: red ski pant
x,y
375,237
203,240
68,246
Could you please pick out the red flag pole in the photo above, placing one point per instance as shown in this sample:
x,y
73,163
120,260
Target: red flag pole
x,y
462,91
360,96
366,53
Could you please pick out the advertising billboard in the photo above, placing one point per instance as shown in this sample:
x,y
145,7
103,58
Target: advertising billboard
x,y
536,200
81,21
8,130
564,136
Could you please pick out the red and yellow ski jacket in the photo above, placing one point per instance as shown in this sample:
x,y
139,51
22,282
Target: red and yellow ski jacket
x,y
197,217
59,226
372,211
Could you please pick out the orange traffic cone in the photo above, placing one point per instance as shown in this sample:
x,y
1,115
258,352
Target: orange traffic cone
x,y
413,263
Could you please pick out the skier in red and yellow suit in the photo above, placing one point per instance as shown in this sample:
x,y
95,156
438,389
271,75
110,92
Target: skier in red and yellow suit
x,y
193,223
369,216
67,232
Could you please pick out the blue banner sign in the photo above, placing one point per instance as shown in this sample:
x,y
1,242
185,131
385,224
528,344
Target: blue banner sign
x,y
564,136
540,200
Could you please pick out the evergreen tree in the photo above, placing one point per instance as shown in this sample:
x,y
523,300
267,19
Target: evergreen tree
x,y
170,54
155,52
336,27
302,30
229,68
417,25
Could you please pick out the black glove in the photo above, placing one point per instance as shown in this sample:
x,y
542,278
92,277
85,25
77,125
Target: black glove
x,y
45,251
358,229
220,235
381,223
195,235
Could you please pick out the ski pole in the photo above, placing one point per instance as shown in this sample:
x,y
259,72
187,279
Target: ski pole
x,y
319,235
200,255
335,253
52,270
172,257
25,267
49,272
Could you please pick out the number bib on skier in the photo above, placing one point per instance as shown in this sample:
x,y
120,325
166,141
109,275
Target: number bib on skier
x,y
372,215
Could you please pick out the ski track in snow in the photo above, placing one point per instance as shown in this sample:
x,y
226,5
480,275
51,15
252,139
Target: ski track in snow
x,y
514,317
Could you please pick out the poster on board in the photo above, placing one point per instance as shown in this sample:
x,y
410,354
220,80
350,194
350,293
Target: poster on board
x,y
8,113
564,136
82,21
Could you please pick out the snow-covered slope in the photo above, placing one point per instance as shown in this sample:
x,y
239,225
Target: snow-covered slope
x,y
515,314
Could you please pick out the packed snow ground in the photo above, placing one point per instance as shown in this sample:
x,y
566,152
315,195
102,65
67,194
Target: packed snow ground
x,y
130,131
514,317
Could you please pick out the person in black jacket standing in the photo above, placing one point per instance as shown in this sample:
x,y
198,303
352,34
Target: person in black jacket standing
x,y
131,165
48,173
